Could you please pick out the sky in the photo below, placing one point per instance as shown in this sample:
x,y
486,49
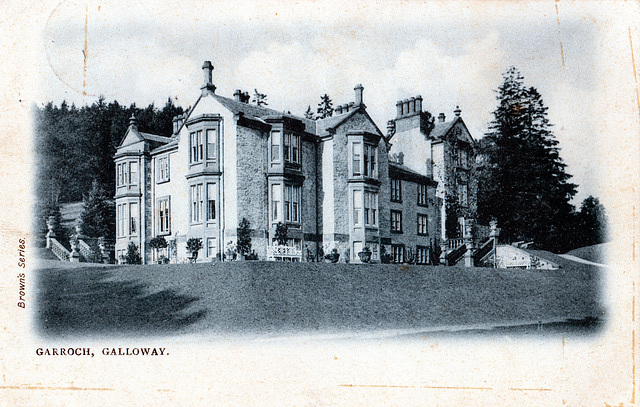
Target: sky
x,y
452,54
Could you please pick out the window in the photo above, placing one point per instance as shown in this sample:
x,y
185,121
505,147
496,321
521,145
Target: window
x,y
212,141
370,208
397,250
195,140
292,148
356,155
119,180
422,195
462,194
212,247
396,190
370,161
396,221
423,222
197,200
133,219
133,173
276,210
163,169
212,193
422,255
357,207
163,216
121,219
275,146
292,203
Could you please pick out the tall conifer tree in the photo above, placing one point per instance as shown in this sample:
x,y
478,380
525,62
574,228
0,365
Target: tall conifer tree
x,y
523,182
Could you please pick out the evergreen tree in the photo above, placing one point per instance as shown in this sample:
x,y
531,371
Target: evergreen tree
x,y
309,113
259,98
522,179
592,223
244,237
325,107
98,213
133,254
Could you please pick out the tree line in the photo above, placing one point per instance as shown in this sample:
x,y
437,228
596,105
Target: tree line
x,y
74,149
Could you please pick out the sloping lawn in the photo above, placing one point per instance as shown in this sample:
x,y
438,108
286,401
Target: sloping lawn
x,y
596,253
271,297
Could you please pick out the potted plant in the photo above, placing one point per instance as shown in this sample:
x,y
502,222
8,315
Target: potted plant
x,y
157,243
332,257
365,255
230,252
193,246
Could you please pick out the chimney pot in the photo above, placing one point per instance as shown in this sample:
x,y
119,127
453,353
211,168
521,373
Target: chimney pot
x,y
441,118
237,95
412,105
338,109
419,103
345,108
405,107
399,108
359,89
457,111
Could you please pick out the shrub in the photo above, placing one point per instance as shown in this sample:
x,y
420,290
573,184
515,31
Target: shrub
x,y
133,254
281,234
244,237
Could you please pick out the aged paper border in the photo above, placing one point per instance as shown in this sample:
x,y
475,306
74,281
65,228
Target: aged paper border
x,y
600,372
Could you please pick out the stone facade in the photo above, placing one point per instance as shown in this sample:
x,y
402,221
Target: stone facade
x,y
327,180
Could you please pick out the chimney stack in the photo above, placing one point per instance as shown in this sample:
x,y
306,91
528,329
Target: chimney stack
x,y
175,124
359,88
412,105
339,109
457,111
399,108
441,118
237,95
207,69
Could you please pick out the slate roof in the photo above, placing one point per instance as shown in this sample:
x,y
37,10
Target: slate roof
x,y
154,137
260,112
323,125
441,129
408,173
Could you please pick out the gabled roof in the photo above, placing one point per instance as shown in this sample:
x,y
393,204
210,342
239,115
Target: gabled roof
x,y
154,137
440,130
323,125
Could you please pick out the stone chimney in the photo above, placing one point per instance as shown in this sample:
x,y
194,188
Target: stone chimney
x,y
401,158
237,95
441,118
359,88
457,111
207,69
175,124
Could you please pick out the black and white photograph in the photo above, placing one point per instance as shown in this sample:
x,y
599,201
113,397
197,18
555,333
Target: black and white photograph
x,y
320,203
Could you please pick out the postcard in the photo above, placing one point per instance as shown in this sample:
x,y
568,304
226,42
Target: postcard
x,y
320,203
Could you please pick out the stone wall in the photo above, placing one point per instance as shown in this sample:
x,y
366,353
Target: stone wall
x,y
251,167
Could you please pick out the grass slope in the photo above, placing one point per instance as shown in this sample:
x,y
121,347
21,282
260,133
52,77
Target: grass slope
x,y
268,297
596,253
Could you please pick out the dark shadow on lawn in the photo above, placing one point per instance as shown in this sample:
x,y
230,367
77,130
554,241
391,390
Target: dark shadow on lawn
x,y
84,302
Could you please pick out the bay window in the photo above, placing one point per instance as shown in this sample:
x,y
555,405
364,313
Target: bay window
x,y
196,150
163,216
212,193
197,199
292,148
275,146
370,208
357,206
356,159
276,210
292,203
212,141
133,219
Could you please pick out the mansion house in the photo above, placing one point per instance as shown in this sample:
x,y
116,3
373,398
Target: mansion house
x,y
337,182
